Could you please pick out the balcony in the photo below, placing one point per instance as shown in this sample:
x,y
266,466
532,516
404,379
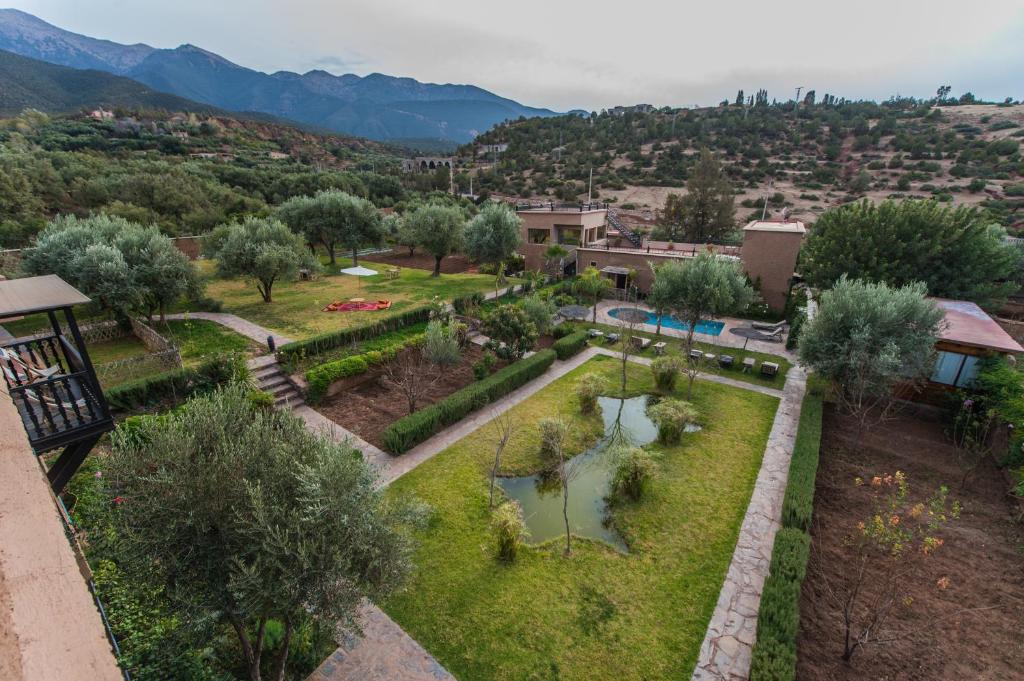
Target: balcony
x,y
50,378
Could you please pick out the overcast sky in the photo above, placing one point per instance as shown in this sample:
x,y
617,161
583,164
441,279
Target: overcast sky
x,y
566,54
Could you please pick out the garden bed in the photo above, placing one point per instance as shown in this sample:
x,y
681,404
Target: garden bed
x,y
370,405
969,630
599,613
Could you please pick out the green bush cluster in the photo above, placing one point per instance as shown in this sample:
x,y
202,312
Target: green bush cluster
x,y
409,431
320,377
468,303
779,617
323,342
177,385
563,330
569,345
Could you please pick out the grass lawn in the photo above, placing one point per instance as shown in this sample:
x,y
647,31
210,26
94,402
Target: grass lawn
x,y
296,309
676,345
199,338
598,613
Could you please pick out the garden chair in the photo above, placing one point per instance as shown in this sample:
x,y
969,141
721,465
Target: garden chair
x,y
696,354
769,368
748,364
725,361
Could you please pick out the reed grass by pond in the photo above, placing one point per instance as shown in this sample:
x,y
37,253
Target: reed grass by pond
x,y
599,613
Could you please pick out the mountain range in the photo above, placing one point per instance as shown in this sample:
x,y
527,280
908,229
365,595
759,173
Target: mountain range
x,y
377,106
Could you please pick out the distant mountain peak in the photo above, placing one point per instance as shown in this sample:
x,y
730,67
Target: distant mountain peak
x,y
378,106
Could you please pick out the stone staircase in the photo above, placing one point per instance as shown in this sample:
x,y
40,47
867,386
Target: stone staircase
x,y
270,378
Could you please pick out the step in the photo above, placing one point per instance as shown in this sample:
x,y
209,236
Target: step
x,y
261,362
280,388
273,381
266,371
292,400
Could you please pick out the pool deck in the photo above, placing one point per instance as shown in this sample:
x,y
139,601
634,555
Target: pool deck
x,y
725,339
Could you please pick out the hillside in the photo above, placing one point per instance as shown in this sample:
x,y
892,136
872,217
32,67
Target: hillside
x,y
377,106
183,171
30,83
805,160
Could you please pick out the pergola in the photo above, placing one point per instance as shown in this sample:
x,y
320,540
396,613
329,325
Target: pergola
x,y
49,376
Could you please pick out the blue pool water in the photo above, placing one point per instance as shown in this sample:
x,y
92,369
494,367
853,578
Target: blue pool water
x,y
703,326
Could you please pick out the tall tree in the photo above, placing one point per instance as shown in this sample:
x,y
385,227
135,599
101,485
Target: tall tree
x,y
438,229
708,209
332,218
705,287
671,220
866,338
262,249
956,252
493,236
244,516
161,273
658,301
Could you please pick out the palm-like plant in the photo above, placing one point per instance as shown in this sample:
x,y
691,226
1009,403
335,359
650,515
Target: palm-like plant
x,y
591,284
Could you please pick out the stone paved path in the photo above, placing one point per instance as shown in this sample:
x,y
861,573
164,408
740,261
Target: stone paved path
x,y
237,324
725,654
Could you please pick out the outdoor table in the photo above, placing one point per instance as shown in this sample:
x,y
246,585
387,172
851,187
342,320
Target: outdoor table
x,y
769,368
748,364
710,357
725,361
659,347
640,342
696,354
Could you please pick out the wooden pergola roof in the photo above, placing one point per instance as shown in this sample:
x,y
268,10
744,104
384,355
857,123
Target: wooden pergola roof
x,y
37,294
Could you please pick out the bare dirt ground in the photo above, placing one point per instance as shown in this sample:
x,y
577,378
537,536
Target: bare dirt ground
x,y
969,630
370,407
453,264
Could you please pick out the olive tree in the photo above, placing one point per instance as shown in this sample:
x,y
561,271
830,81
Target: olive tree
x,y
261,249
493,236
243,516
866,338
438,229
704,287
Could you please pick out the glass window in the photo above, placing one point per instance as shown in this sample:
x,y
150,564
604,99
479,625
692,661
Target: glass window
x,y
969,371
947,367
538,236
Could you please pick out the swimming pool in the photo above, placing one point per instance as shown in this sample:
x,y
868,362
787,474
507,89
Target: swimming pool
x,y
703,326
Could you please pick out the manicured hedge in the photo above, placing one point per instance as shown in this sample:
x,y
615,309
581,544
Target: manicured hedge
x,y
567,347
334,339
798,504
175,386
409,431
779,618
320,377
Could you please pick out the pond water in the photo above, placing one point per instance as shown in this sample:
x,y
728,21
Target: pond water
x,y
591,471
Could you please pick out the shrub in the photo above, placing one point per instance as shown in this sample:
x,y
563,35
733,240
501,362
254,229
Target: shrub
x,y
321,376
779,617
666,372
261,399
511,330
335,339
541,312
553,432
482,367
570,345
671,416
588,389
632,473
509,529
441,344
563,330
798,504
410,430
177,385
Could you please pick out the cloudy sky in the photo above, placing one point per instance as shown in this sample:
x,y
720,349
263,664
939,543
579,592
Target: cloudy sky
x,y
565,54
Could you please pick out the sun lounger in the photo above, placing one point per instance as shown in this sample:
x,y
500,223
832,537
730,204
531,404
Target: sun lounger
x,y
20,371
613,337
748,364
766,326
696,355
640,342
595,333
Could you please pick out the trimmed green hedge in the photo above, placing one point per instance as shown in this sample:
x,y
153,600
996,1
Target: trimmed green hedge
x,y
779,618
798,504
409,431
177,385
334,339
320,377
568,346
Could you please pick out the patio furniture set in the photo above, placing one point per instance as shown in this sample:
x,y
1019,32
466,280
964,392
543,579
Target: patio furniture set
x,y
725,361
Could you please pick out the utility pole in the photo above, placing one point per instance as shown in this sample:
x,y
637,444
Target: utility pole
x,y
590,185
796,104
451,178
764,209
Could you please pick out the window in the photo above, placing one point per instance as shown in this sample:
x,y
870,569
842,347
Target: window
x,y
538,236
952,368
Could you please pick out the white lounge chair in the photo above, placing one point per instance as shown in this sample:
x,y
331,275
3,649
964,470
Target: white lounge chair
x,y
24,372
767,326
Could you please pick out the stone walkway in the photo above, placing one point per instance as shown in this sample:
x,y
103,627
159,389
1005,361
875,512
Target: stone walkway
x,y
237,324
726,652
